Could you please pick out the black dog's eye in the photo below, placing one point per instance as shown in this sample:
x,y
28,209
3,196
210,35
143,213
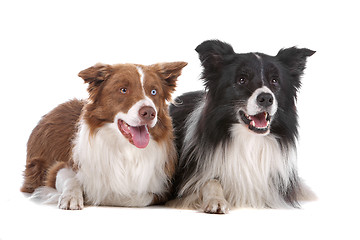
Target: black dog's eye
x,y
274,81
242,80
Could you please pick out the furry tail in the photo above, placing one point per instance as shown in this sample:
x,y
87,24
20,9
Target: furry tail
x,y
46,195
306,194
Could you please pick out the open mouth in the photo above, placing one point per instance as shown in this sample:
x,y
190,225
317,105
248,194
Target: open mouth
x,y
259,123
137,135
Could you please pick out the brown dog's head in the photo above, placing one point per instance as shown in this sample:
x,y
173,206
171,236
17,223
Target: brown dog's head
x,y
131,96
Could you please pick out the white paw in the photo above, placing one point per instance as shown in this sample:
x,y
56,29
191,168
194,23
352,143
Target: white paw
x,y
71,201
219,206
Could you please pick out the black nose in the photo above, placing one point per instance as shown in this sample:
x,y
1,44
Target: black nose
x,y
265,99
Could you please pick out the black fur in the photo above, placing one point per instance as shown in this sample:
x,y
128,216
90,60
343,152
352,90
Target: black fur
x,y
223,74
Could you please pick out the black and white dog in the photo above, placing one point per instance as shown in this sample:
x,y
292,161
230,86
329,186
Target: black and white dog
x,y
237,139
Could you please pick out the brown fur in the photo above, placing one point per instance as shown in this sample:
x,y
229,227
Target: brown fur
x,y
49,143
51,175
49,147
159,199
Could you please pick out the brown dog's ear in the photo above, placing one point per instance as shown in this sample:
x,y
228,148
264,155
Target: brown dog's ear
x,y
169,72
95,75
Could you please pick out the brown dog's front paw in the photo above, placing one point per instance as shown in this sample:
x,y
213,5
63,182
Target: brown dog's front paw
x,y
71,201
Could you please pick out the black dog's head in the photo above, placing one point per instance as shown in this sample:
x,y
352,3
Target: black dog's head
x,y
254,89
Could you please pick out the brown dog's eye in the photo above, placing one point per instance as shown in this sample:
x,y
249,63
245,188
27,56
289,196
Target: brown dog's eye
x,y
123,90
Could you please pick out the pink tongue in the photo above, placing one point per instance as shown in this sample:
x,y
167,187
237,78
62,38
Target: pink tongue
x,y
260,121
140,136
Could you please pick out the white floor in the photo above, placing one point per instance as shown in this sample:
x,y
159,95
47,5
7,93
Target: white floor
x,y
21,218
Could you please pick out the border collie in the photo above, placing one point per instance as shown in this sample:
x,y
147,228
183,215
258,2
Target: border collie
x,y
115,148
237,139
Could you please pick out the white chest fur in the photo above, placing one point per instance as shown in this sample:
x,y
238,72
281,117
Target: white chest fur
x,y
252,167
114,172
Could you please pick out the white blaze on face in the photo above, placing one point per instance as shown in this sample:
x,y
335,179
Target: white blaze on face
x,y
141,73
261,68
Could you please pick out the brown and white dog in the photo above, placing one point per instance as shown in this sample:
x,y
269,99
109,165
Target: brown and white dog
x,y
116,148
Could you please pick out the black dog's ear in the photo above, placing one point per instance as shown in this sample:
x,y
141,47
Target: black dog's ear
x,y
295,59
212,53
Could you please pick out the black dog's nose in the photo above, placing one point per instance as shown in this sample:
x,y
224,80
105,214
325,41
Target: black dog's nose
x,y
265,99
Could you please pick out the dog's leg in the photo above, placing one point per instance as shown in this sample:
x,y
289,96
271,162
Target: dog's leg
x,y
70,188
213,198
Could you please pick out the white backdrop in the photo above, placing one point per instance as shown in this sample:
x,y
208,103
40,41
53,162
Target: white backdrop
x,y
44,44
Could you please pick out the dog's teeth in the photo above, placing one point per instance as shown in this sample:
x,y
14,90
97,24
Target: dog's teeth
x,y
126,125
252,123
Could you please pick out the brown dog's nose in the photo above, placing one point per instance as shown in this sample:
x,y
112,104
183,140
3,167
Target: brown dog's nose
x,y
147,113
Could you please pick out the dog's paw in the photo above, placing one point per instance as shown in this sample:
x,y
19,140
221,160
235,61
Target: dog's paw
x,y
71,201
218,206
